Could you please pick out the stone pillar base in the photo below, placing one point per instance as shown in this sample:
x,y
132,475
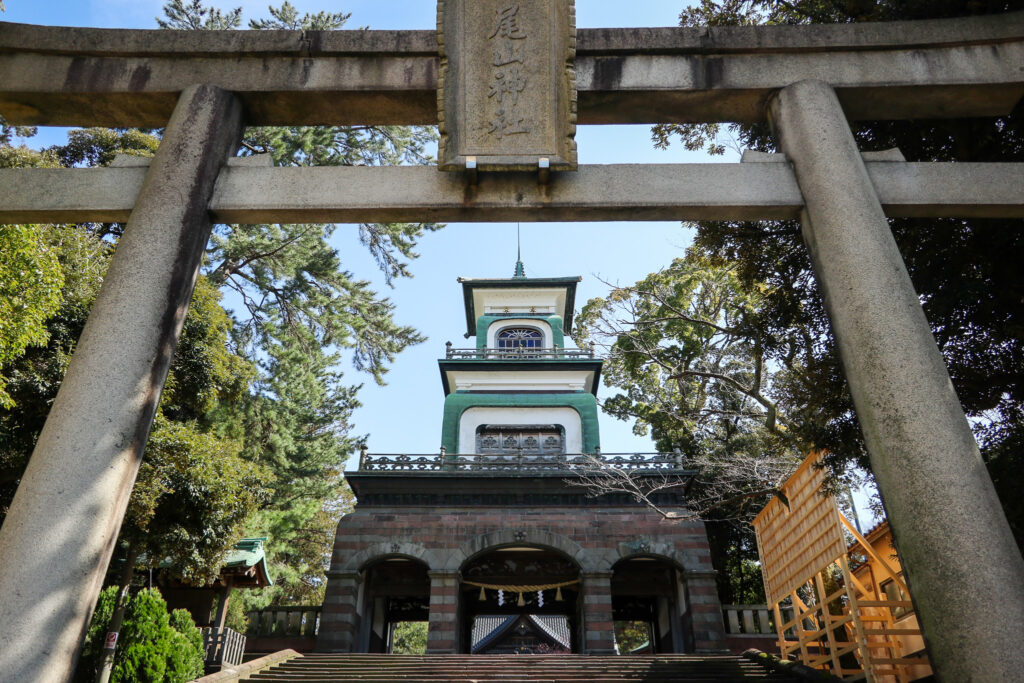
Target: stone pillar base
x,y
339,621
596,594
442,632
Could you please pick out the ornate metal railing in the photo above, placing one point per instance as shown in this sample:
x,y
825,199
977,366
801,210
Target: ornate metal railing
x,y
517,462
517,354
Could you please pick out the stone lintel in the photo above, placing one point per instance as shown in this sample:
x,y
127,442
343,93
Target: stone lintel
x,y
107,77
635,192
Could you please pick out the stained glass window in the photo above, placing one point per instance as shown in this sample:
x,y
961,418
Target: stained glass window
x,y
520,338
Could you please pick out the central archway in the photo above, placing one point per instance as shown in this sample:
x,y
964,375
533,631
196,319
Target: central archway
x,y
520,599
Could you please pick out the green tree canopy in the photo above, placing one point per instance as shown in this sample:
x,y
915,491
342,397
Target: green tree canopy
x,y
686,354
965,270
255,398
30,282
684,351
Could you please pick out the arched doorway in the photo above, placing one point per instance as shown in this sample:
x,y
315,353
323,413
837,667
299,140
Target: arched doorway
x,y
395,602
646,606
520,600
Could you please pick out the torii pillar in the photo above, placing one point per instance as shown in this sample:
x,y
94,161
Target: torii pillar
x,y
964,569
62,526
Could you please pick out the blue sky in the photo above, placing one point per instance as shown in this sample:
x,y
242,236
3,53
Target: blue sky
x,y
377,14
405,416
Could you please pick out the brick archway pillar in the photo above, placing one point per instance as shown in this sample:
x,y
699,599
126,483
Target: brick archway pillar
x,y
704,612
339,621
596,598
442,632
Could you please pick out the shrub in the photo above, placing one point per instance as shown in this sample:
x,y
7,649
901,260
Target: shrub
x,y
146,635
153,647
186,661
92,646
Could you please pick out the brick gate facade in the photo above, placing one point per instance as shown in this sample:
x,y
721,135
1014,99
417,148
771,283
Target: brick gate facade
x,y
443,520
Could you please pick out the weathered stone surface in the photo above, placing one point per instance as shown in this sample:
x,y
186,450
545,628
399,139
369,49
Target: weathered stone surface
x,y
77,76
60,532
963,566
748,191
506,90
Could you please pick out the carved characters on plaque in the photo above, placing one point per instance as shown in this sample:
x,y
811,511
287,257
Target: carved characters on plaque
x,y
509,76
507,85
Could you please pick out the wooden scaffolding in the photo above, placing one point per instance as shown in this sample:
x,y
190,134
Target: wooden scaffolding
x,y
825,617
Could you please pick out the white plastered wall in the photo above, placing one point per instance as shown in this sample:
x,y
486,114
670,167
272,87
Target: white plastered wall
x,y
521,380
497,326
545,301
563,416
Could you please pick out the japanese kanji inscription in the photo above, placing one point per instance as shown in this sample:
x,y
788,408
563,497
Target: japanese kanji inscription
x,y
507,85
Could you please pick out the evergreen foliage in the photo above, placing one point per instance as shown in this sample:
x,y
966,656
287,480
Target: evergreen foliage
x,y
409,638
300,313
192,497
253,425
95,636
684,349
30,282
966,271
153,646
151,649
34,377
187,653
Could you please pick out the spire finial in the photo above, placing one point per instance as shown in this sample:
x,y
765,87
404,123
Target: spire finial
x,y
520,270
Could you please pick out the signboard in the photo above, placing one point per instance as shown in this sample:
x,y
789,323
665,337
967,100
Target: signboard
x,y
507,85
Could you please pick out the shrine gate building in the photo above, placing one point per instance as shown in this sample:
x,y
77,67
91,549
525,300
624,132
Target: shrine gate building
x,y
493,525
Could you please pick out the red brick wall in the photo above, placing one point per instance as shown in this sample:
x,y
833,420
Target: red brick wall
x,y
445,537
601,530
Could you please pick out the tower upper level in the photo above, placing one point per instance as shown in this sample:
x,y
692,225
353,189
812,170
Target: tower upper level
x,y
519,312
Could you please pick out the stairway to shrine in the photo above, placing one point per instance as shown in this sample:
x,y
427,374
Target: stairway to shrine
x,y
518,668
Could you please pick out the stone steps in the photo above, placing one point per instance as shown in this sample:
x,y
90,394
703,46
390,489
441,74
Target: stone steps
x,y
324,668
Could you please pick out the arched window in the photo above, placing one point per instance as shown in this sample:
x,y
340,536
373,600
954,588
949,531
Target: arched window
x,y
520,338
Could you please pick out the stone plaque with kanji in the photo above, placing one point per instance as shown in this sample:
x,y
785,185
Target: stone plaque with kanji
x,y
507,85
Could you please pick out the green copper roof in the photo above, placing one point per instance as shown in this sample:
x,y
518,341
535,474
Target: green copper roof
x,y
520,273
249,552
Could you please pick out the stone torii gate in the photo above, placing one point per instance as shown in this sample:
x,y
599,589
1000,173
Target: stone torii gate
x,y
807,81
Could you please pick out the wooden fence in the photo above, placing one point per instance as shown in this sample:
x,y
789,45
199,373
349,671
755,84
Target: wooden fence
x,y
222,647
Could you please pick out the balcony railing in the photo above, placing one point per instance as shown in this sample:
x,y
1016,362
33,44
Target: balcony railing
x,y
518,462
517,354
